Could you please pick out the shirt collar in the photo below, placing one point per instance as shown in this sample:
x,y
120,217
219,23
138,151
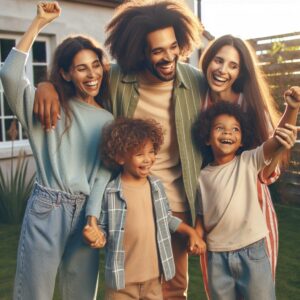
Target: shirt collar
x,y
115,185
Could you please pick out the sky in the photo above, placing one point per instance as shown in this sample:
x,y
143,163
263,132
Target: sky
x,y
251,18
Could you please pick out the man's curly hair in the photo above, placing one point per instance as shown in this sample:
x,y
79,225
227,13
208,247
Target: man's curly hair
x,y
203,124
126,136
135,19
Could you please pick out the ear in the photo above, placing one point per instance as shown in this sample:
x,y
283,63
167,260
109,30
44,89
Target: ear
x,y
120,160
66,76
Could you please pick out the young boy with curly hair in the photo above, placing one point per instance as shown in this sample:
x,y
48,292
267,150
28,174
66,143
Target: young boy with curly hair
x,y
228,213
135,216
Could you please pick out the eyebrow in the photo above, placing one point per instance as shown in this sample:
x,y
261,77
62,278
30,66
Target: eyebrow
x,y
218,124
96,60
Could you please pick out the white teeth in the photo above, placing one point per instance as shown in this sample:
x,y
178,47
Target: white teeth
x,y
221,79
92,83
226,142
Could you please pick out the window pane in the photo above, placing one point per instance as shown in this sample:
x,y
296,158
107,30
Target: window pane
x,y
11,129
39,52
7,110
39,74
1,137
6,45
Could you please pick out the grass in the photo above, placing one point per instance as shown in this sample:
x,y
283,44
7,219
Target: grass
x,y
288,272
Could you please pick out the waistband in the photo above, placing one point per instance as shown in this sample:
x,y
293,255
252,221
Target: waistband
x,y
56,195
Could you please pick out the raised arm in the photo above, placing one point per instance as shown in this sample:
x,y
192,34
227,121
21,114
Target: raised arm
x,y
46,13
286,133
17,88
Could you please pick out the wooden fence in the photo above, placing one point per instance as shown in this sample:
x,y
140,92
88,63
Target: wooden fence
x,y
279,57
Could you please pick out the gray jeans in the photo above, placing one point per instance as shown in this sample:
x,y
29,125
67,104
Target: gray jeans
x,y
51,243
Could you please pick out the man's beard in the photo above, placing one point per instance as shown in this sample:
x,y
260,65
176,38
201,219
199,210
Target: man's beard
x,y
154,69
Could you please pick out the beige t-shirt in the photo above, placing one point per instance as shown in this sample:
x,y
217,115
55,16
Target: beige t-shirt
x,y
156,102
141,257
228,201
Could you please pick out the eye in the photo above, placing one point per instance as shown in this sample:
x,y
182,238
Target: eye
x,y
81,69
234,66
97,64
218,60
236,129
175,46
157,52
219,129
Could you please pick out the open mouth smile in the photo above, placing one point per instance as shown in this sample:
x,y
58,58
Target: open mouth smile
x,y
226,142
219,78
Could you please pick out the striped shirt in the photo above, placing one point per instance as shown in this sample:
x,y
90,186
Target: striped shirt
x,y
188,85
112,221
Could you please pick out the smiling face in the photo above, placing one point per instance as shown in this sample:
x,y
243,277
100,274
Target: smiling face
x,y
86,73
225,138
162,53
136,166
223,70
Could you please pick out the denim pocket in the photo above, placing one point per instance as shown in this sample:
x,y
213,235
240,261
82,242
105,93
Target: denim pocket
x,y
257,251
41,206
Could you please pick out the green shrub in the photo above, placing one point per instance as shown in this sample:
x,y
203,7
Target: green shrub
x,y
15,189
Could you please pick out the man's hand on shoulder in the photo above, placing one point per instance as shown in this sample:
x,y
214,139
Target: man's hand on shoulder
x,y
46,105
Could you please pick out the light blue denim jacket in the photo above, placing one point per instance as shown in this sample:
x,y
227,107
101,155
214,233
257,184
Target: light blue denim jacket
x,y
112,221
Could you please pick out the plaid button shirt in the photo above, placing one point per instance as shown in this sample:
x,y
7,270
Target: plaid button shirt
x,y
112,221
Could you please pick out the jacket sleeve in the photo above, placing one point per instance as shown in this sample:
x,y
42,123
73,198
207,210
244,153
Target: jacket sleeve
x,y
93,207
103,221
18,91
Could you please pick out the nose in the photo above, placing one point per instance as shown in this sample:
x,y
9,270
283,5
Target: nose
x,y
223,68
227,131
91,72
169,55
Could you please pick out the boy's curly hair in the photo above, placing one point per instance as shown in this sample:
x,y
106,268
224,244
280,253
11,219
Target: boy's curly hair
x,y
202,127
125,136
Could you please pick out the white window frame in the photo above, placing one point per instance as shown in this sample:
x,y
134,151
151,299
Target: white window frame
x,y
6,146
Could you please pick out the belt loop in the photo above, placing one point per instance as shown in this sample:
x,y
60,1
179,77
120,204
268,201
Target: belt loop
x,y
58,200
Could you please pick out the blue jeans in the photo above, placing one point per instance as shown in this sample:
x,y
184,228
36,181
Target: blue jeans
x,y
51,243
245,272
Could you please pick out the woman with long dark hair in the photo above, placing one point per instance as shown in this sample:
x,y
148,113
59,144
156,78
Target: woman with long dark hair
x,y
70,178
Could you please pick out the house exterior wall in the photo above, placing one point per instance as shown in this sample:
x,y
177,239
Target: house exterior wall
x,y
78,17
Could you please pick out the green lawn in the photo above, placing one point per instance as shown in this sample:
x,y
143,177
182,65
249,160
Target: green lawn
x,y
288,272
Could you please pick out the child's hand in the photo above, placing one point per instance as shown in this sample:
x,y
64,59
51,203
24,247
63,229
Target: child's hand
x,y
286,135
48,11
197,245
292,96
93,235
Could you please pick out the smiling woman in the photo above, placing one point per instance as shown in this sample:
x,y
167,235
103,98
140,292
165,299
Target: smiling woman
x,y
86,74
51,236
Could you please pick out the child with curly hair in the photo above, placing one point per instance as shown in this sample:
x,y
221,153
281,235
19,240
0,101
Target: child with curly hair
x,y
135,214
228,212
